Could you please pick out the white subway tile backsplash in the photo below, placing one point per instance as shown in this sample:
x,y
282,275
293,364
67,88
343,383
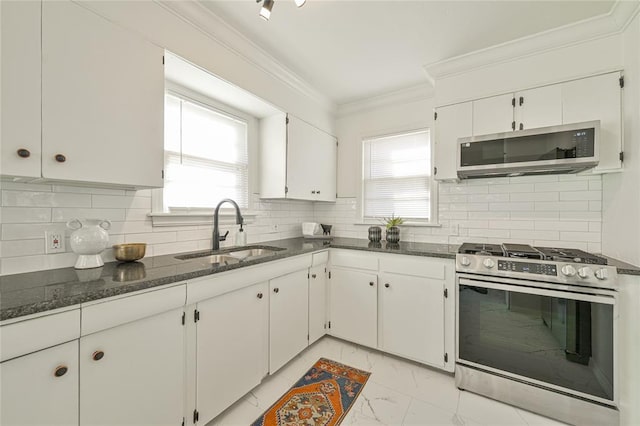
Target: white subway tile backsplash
x,y
574,206
44,199
532,235
24,215
580,195
543,225
515,206
569,185
66,214
87,190
512,224
113,201
511,187
535,196
21,231
21,248
590,237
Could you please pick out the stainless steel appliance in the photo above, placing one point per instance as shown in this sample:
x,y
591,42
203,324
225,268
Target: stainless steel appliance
x,y
568,148
537,328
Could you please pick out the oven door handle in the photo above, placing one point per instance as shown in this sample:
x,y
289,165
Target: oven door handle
x,y
607,300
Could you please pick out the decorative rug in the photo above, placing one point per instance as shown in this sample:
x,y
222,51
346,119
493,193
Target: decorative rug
x,y
322,397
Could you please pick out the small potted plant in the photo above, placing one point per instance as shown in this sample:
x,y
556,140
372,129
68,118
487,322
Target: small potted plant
x,y
393,232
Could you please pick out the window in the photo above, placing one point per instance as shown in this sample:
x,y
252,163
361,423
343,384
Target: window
x,y
206,156
397,177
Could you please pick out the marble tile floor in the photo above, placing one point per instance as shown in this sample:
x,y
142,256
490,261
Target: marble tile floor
x,y
399,392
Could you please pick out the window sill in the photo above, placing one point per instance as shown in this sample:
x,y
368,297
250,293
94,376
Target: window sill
x,y
405,224
198,218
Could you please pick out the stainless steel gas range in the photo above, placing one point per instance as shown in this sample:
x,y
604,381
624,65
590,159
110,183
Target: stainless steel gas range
x,y
537,328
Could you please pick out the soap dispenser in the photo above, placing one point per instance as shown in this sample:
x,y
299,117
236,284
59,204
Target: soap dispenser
x,y
241,237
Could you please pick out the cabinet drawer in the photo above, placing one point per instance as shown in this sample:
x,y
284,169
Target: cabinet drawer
x,y
320,258
116,312
415,265
28,336
354,259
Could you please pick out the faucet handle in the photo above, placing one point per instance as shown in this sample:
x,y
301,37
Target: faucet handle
x,y
223,237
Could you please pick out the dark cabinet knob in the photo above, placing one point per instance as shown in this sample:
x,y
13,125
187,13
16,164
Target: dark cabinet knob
x,y
259,295
371,283
24,153
97,355
313,192
386,285
276,290
521,126
313,275
60,371
317,192
60,158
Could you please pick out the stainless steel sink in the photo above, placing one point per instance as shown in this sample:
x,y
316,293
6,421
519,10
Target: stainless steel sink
x,y
232,255
252,252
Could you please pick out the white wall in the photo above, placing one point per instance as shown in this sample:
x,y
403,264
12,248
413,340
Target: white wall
x,y
28,210
621,192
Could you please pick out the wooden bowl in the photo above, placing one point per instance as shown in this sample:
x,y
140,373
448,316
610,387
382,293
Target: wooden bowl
x,y
129,252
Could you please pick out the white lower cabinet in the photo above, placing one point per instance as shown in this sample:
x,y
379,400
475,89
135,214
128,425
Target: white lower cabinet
x,y
288,318
353,306
41,388
231,347
134,373
412,317
317,302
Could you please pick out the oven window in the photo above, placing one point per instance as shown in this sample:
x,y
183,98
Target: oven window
x,y
565,342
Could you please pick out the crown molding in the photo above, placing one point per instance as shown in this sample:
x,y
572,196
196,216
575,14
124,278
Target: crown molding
x,y
206,21
406,95
614,22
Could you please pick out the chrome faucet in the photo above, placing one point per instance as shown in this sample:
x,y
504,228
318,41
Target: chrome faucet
x,y
216,232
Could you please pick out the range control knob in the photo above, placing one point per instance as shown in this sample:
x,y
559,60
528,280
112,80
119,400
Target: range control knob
x,y
465,261
489,263
568,270
602,274
585,272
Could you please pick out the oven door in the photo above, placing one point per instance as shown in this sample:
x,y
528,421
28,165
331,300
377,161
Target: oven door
x,y
553,338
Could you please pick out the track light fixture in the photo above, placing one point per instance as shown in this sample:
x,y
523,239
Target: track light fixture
x,y
267,5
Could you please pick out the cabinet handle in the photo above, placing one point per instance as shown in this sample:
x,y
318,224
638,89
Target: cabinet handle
x,y
259,295
24,153
521,126
275,290
60,371
313,192
387,285
313,275
317,192
97,355
60,158
371,283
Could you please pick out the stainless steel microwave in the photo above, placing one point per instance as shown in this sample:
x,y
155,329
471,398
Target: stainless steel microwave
x,y
568,148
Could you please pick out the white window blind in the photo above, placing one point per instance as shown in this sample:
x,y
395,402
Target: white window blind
x,y
206,156
397,176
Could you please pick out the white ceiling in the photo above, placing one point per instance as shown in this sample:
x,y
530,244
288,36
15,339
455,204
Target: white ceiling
x,y
353,50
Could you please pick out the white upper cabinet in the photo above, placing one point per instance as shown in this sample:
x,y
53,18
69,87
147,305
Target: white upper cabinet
x,y
20,130
452,122
493,115
297,160
82,99
102,100
540,107
598,98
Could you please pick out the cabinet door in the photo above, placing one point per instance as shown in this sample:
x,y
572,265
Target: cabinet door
x,y
102,100
300,179
323,163
353,302
317,302
20,89
37,391
493,115
412,317
134,373
288,318
540,107
453,122
231,347
597,98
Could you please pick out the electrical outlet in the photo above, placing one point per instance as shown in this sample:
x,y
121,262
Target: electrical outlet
x,y
53,242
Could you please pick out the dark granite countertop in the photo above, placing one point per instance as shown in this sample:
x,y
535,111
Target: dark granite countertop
x,y
34,292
